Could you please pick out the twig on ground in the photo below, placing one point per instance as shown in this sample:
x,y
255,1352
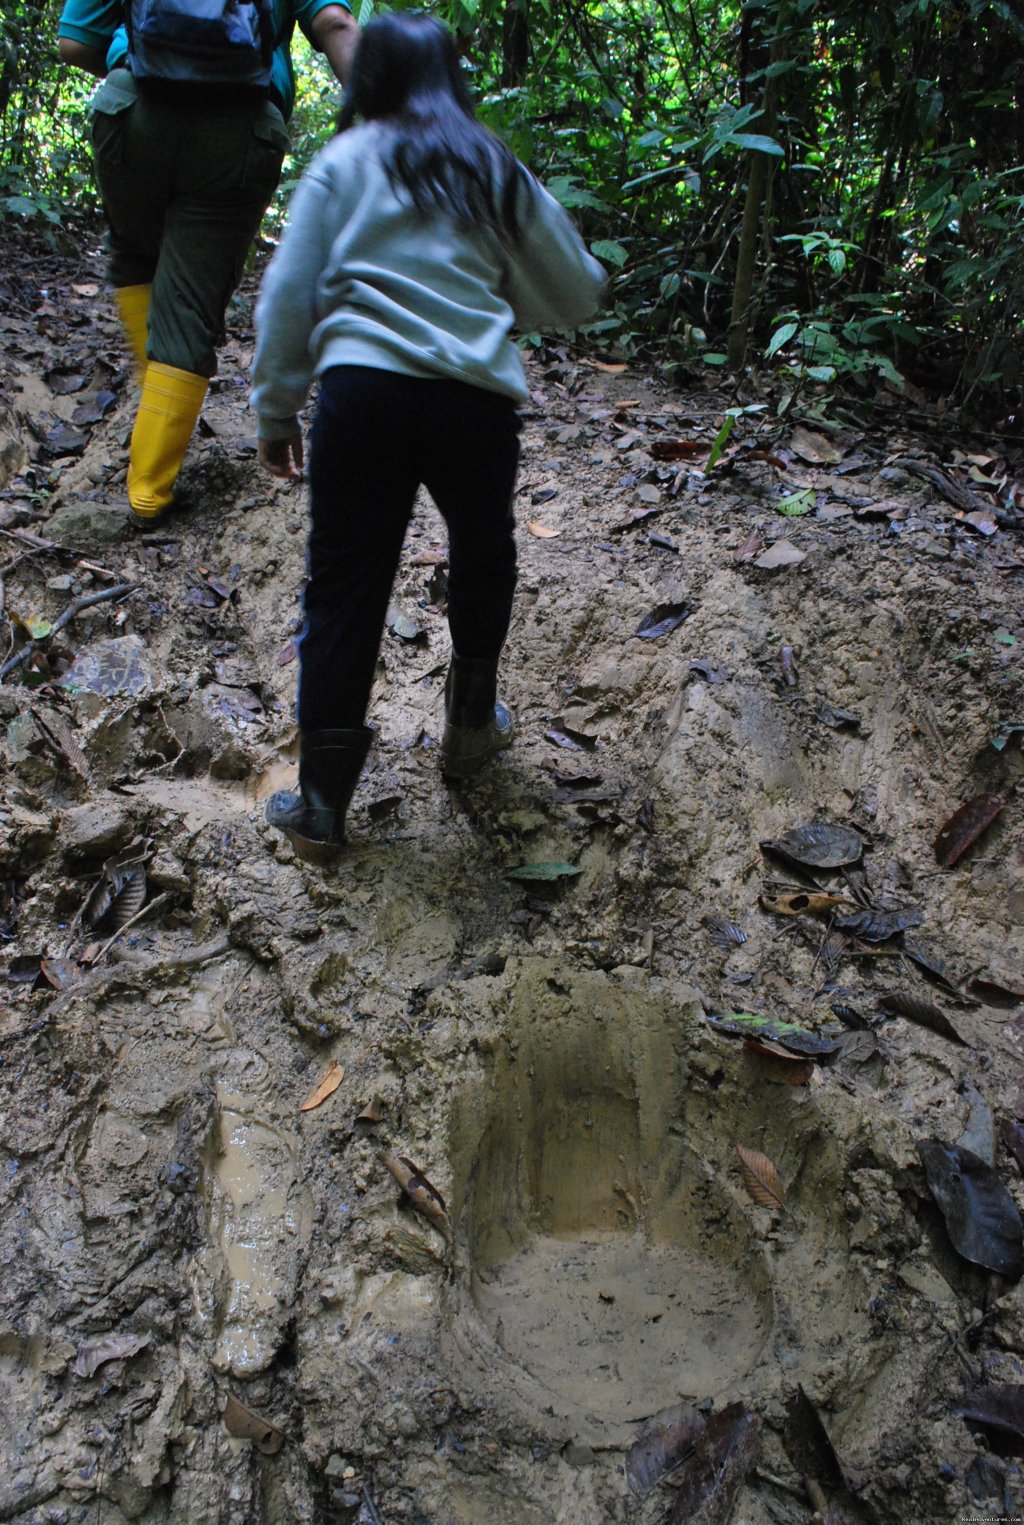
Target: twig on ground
x,y
120,590
153,905
134,972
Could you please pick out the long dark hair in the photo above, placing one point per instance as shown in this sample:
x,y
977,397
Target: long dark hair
x,y
406,71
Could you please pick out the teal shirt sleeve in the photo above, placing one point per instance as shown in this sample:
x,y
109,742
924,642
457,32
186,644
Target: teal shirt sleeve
x,y
285,16
97,24
307,9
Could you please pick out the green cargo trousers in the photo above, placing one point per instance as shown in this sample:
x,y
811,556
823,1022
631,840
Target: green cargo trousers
x,y
184,186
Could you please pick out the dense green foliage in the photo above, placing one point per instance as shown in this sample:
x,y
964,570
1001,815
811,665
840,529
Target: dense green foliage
x,y
842,182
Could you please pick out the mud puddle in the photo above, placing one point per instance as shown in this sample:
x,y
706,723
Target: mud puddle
x,y
539,1049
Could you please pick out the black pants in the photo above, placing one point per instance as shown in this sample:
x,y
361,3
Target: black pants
x,y
377,437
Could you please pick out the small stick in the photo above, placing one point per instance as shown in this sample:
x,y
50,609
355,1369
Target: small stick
x,y
34,540
816,1495
146,909
371,1508
794,1489
120,590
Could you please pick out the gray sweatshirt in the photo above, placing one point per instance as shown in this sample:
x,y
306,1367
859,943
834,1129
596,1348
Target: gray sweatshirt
x,y
361,278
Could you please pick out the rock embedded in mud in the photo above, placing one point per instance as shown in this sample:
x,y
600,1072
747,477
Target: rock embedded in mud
x,y
94,829
89,524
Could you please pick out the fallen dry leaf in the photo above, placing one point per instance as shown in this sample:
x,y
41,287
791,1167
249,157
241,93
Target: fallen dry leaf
x,y
677,449
424,1196
761,1178
542,531
113,1347
713,1476
248,1425
895,1004
801,904
777,1061
372,1112
58,733
327,1087
781,554
666,1440
762,455
814,447
749,549
964,827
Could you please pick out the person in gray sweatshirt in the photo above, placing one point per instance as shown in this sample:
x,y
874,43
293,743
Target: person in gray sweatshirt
x,y
415,243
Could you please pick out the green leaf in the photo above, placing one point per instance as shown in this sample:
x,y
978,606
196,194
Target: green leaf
x,y
607,249
797,502
1006,732
720,438
37,627
1004,638
546,873
565,190
22,205
756,142
673,171
780,337
714,359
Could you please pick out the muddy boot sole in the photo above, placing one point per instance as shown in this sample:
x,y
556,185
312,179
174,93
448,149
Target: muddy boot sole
x,y
290,815
464,752
321,854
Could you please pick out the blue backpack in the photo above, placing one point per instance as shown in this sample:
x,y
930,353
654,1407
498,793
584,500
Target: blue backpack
x,y
202,42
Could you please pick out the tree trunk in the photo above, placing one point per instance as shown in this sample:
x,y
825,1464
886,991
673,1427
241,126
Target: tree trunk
x,y
760,168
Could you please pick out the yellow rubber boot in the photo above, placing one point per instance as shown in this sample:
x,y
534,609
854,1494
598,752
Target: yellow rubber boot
x,y
168,411
133,305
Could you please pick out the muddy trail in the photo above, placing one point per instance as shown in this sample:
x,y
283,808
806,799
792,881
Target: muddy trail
x,y
632,1135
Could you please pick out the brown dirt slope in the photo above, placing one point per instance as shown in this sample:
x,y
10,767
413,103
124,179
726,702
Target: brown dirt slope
x,y
837,645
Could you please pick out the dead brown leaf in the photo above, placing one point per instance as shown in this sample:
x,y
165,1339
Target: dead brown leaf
x,y
542,531
778,1062
801,904
982,521
814,448
763,455
112,1347
761,1179
248,1425
749,549
423,1195
59,735
964,827
677,449
327,1087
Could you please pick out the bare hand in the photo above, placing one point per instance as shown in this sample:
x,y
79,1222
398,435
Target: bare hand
x,y
282,457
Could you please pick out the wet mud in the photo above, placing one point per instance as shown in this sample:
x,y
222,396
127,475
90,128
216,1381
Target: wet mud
x,y
175,1232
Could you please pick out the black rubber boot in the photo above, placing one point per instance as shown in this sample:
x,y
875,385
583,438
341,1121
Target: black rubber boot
x,y
313,820
476,723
